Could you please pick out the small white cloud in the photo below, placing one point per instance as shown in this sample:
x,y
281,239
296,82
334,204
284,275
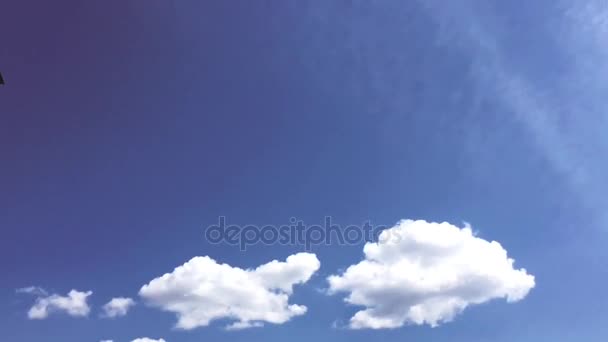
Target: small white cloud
x,y
106,341
117,307
74,304
203,290
244,325
426,273
33,290
146,339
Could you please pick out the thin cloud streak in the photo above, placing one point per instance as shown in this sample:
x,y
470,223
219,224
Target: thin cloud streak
x,y
566,120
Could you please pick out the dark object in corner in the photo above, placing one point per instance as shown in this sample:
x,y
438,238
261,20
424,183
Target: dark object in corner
x,y
1,79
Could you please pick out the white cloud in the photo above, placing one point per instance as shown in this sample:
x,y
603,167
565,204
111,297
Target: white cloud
x,y
146,339
33,290
244,325
426,273
106,341
117,307
74,304
203,290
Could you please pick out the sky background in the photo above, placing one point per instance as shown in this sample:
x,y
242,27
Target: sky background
x,y
127,127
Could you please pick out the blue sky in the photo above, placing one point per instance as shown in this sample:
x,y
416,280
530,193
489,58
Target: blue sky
x,y
126,128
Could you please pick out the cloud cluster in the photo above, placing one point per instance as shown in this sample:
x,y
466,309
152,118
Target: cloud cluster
x,y
74,304
418,273
203,290
427,273
117,307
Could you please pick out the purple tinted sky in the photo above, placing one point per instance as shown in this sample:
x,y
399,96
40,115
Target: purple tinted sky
x,y
128,126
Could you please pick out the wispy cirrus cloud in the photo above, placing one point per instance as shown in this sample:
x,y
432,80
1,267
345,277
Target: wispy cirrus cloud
x,y
557,94
33,290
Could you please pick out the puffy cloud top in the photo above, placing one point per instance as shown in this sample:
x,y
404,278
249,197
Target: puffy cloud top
x,y
146,339
426,273
203,290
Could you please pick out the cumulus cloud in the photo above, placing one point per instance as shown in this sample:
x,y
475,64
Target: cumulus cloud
x,y
202,290
117,307
426,273
74,304
146,339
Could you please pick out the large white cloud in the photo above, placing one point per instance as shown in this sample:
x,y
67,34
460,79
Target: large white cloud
x,y
426,273
146,339
74,304
117,307
203,290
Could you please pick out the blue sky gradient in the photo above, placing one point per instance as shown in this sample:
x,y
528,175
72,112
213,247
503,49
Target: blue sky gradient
x,y
127,127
